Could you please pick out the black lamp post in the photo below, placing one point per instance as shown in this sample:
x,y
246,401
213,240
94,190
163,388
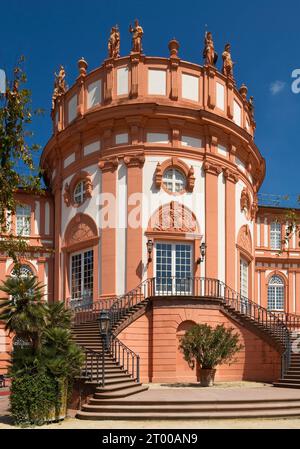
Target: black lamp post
x,y
104,325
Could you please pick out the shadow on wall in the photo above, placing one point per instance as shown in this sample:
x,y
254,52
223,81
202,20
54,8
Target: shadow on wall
x,y
183,372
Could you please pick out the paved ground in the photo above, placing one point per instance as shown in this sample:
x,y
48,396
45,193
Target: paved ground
x,y
225,391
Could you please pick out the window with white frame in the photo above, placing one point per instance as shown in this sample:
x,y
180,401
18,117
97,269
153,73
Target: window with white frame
x,y
173,268
23,213
80,192
82,264
244,278
275,235
276,293
174,180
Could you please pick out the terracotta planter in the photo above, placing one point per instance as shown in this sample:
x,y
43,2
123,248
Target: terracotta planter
x,y
207,377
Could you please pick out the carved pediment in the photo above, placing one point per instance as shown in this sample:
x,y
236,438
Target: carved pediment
x,y
174,217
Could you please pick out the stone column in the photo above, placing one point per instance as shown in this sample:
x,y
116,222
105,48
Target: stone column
x,y
134,247
231,179
212,172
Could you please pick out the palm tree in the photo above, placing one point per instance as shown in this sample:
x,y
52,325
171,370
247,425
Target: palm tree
x,y
23,311
58,316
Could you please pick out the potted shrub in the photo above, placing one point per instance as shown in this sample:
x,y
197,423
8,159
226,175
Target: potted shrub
x,y
209,347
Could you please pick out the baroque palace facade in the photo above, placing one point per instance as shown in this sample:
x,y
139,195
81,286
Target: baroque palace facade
x,y
152,172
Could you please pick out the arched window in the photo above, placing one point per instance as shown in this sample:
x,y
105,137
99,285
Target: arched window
x,y
275,235
276,293
23,272
174,180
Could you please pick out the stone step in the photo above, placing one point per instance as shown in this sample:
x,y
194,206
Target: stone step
x,y
123,393
131,407
190,415
282,384
115,385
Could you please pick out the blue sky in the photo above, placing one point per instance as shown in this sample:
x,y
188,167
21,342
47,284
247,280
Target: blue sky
x,y
264,36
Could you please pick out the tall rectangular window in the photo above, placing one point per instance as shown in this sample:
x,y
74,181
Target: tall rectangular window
x,y
173,268
23,214
122,81
157,82
82,265
220,96
190,87
244,278
275,235
94,94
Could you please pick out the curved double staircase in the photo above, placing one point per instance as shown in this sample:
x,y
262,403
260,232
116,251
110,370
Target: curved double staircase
x,y
113,369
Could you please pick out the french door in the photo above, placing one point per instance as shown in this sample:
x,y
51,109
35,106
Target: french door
x,y
173,268
82,277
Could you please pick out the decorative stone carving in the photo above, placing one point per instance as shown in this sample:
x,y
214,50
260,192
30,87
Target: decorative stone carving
x,y
136,160
254,208
158,176
114,43
60,86
212,169
244,240
137,35
209,55
69,188
229,175
245,203
67,195
227,68
81,228
174,217
108,164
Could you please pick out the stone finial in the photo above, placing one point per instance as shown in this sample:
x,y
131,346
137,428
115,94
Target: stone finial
x,y
173,47
82,66
243,91
137,35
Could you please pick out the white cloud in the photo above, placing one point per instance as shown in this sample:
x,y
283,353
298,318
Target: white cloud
x,y
276,87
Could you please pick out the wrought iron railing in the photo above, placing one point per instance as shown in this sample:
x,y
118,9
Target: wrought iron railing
x,y
125,357
277,325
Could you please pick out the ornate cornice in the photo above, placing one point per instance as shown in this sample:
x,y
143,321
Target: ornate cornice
x,y
135,160
230,175
108,164
212,169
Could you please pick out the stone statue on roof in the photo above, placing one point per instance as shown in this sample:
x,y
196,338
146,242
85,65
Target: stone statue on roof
x,y
227,69
137,35
114,43
59,84
209,54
